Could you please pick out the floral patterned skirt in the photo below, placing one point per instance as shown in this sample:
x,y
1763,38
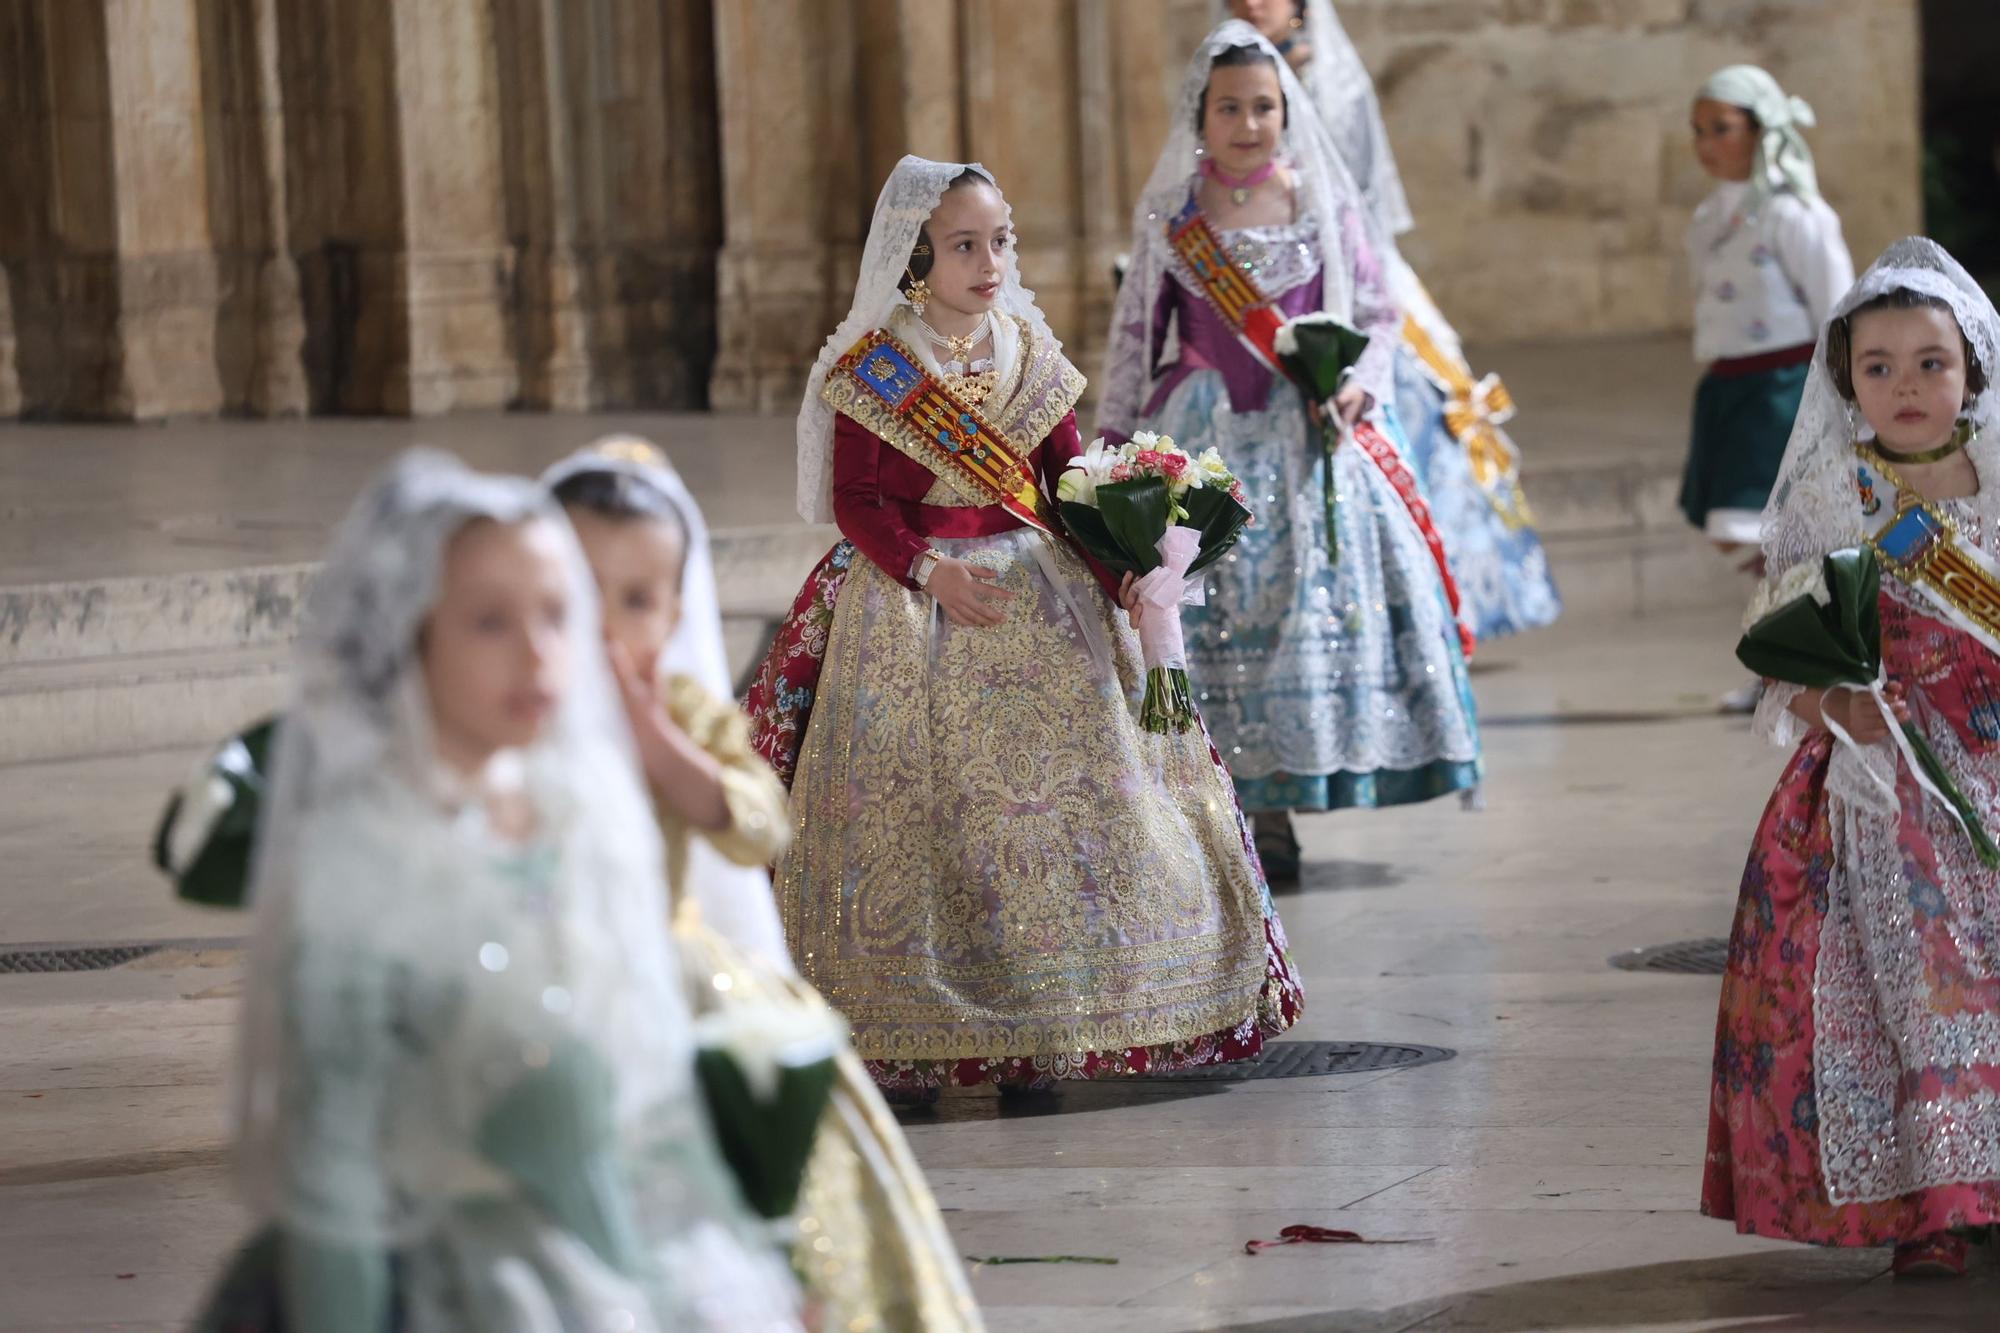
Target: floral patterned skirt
x,y
1763,1167
1140,900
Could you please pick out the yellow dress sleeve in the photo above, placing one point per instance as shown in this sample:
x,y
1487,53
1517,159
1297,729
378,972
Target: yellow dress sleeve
x,y
759,828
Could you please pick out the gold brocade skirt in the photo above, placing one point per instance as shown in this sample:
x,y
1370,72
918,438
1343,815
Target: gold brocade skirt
x,y
991,858
872,1249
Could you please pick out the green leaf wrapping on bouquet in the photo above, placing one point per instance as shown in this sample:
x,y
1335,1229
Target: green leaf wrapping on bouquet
x,y
767,1142
218,874
1137,513
1838,642
1124,529
1324,350
1805,642
1220,519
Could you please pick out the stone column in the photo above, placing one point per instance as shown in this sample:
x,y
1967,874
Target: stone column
x,y
789,93
106,233
260,323
613,198
10,379
539,152
394,193
455,263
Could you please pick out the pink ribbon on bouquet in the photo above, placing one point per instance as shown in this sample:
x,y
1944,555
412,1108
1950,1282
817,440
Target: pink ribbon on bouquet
x,y
1163,590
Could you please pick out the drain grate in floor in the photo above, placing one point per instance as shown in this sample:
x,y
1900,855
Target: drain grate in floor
x,y
99,957
1700,958
1310,1059
96,958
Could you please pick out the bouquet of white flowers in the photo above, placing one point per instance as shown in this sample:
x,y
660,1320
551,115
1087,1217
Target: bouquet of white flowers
x,y
1147,507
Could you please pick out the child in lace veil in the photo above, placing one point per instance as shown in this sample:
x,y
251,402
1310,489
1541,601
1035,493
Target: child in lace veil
x,y
1327,658
871,1247
1855,1075
467,1086
986,839
1453,420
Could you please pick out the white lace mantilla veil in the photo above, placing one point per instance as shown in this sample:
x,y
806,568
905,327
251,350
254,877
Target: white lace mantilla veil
x,y
908,199
1813,508
735,900
1325,189
378,899
1345,95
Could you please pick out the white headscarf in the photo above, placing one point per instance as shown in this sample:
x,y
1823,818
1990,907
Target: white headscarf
x,y
1326,191
410,971
735,900
1783,160
908,199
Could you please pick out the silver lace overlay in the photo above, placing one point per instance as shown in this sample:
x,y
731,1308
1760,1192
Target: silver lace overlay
x,y
1878,1019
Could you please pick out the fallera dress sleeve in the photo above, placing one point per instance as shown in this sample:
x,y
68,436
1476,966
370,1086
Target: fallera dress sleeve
x,y
1375,314
862,509
758,828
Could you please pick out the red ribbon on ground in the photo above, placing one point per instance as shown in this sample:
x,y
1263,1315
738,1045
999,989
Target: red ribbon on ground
x,y
1302,1233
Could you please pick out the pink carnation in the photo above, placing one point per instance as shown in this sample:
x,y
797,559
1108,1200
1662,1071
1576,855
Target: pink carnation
x,y
1122,472
1149,460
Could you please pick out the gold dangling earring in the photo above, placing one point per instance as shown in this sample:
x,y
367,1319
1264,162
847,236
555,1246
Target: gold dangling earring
x,y
919,291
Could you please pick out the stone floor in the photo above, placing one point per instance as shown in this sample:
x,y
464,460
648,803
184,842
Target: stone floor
x,y
1545,1178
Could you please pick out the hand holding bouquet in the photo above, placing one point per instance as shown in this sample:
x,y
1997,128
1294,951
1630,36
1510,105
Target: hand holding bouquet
x,y
1316,352
1819,626
1148,508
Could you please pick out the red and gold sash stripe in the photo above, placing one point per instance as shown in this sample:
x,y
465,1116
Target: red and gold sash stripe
x,y
939,429
1404,482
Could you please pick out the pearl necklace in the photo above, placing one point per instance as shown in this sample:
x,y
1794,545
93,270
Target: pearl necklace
x,y
958,350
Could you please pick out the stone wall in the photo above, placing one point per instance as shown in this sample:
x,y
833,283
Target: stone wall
x,y
1545,142
401,206
415,206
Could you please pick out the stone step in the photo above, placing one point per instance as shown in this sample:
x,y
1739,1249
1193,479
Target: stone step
x,y
109,666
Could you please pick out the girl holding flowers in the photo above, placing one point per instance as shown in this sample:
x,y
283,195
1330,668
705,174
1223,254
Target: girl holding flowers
x,y
998,875
1327,658
1856,1095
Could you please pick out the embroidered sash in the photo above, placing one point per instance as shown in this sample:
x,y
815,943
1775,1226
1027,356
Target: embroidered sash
x,y
1233,293
1922,548
1243,306
885,388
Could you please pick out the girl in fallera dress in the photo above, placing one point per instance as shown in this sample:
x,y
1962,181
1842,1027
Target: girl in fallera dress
x,y
1330,665
997,875
871,1246
1451,417
1768,261
468,1084
1854,1097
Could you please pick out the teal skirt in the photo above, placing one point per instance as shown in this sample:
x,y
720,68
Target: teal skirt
x,y
1741,424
